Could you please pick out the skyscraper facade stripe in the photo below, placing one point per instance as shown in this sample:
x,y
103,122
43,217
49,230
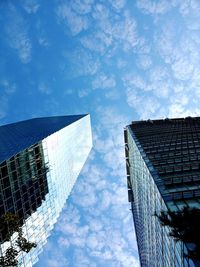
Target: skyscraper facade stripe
x,y
162,159
40,162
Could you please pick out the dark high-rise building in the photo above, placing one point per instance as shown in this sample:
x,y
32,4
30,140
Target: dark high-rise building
x,y
40,160
163,172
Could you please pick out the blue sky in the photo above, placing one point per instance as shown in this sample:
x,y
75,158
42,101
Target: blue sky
x,y
119,60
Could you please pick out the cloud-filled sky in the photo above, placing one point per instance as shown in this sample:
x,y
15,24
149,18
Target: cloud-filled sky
x,y
119,60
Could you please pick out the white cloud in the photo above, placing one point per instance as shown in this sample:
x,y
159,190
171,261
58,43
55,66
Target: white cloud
x,y
16,30
82,6
177,110
153,8
80,259
53,262
125,31
94,224
53,254
190,11
165,42
156,81
31,6
110,246
144,61
108,114
97,42
100,13
96,177
87,198
7,89
82,63
135,80
3,106
183,104
72,20
122,31
181,99
79,238
117,4
44,88
63,242
145,106
121,63
43,41
160,82
103,81
194,85
83,92
111,31
182,68
112,94
143,46
184,7
92,241
178,48
111,146
106,200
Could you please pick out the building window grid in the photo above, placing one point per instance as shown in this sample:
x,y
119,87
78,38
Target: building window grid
x,y
16,187
147,202
197,179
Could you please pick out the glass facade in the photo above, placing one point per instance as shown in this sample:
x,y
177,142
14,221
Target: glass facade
x,y
36,181
23,183
161,160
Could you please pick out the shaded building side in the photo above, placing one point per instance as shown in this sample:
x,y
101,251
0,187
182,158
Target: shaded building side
x,y
163,163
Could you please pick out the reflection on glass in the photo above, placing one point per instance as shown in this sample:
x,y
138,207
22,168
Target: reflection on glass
x,y
156,247
23,183
40,180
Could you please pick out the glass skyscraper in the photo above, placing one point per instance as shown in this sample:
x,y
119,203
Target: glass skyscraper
x,y
40,160
163,172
